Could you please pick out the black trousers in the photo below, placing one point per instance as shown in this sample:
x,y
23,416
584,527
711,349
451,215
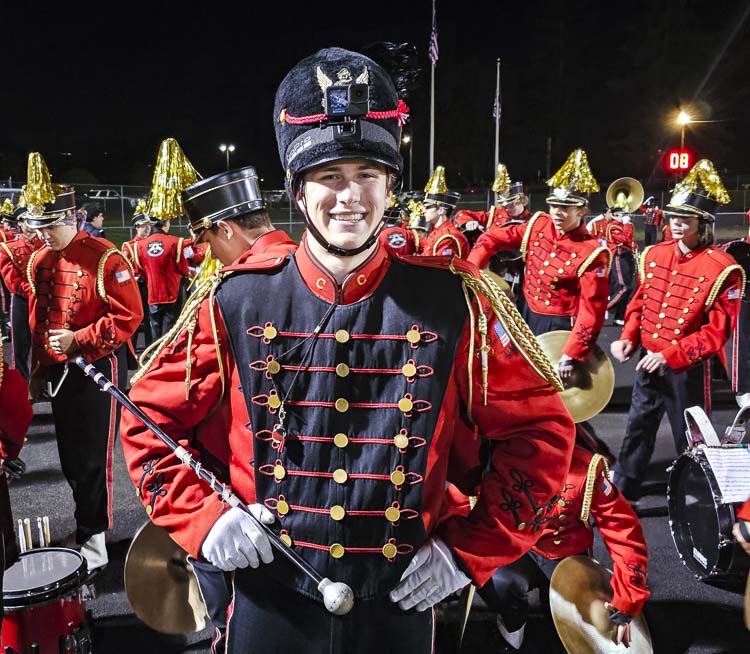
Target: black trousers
x,y
162,317
271,619
216,588
653,395
741,350
621,283
541,324
650,233
507,591
146,323
86,422
20,333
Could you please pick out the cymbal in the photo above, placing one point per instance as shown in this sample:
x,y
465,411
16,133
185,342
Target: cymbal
x,y
579,587
161,585
591,386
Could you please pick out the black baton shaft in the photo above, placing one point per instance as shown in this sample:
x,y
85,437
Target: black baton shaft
x,y
184,456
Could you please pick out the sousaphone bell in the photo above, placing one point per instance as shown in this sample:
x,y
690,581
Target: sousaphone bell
x,y
590,387
626,194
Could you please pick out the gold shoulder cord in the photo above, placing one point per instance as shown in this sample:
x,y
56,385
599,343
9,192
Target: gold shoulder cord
x,y
527,233
179,250
5,247
642,266
100,290
187,320
29,267
716,288
448,237
592,257
591,476
513,324
1,371
127,260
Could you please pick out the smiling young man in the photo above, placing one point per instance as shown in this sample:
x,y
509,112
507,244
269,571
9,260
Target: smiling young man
x,y
566,280
680,317
363,382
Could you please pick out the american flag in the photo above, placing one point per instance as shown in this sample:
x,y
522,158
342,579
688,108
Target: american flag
x,y
432,50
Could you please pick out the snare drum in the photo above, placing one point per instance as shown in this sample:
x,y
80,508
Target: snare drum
x,y
43,606
702,504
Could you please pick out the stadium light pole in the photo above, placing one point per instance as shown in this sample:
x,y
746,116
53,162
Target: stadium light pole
x,y
683,118
227,149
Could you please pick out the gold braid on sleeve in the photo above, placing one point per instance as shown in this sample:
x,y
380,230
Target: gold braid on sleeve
x,y
101,291
513,324
186,321
642,262
527,234
593,257
716,288
29,268
591,476
448,237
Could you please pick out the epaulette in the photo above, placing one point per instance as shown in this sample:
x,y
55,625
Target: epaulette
x,y
4,246
29,267
180,242
591,478
723,276
101,291
642,264
527,233
447,237
593,257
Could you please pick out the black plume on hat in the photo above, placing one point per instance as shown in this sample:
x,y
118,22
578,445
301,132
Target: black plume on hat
x,y
305,136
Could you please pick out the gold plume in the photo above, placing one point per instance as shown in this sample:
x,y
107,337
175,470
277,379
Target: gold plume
x,y
140,207
502,180
38,189
703,176
575,174
436,183
172,175
7,207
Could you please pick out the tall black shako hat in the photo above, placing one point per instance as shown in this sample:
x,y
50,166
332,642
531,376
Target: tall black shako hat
x,y
47,204
222,197
307,136
436,191
699,194
573,183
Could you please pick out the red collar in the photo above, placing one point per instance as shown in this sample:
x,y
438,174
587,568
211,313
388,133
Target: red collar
x,y
270,239
358,284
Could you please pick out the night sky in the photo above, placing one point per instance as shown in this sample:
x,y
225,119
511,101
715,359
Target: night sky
x,y
108,84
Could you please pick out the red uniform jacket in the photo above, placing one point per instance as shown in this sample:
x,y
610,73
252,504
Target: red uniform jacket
x,y
15,411
130,252
685,306
743,513
652,216
161,261
524,414
444,241
590,500
614,234
8,234
14,259
89,288
400,240
566,275
495,217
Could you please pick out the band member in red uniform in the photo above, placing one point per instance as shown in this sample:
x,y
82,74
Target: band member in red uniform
x,y
84,301
614,229
14,259
443,238
566,284
7,233
359,374
653,219
15,418
588,500
142,225
227,213
681,315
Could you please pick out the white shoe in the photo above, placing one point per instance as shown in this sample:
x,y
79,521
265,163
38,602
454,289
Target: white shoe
x,y
619,323
513,638
742,400
94,550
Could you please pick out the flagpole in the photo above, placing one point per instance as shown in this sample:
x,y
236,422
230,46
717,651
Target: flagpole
x,y
432,98
497,119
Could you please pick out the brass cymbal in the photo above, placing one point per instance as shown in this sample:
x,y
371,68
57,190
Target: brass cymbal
x,y
591,386
579,587
161,585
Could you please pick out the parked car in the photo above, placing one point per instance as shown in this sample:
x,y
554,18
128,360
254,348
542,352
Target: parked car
x,y
275,198
105,195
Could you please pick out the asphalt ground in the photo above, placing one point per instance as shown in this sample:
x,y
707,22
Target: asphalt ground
x,y
684,614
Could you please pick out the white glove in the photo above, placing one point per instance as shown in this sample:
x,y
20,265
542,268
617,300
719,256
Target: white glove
x,y
236,541
431,576
188,252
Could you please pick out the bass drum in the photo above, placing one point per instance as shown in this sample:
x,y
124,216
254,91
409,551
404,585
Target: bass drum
x,y
701,522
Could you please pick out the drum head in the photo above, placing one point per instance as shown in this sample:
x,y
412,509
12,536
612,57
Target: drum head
x,y
42,575
701,525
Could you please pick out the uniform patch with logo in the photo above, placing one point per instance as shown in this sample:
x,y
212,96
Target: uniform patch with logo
x,y
606,487
446,252
122,276
155,249
396,240
734,294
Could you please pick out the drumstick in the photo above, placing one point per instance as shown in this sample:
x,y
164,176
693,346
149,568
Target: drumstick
x,y
338,598
21,536
40,531
27,531
45,523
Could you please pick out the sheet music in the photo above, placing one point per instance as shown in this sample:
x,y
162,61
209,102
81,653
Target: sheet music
x,y
731,467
